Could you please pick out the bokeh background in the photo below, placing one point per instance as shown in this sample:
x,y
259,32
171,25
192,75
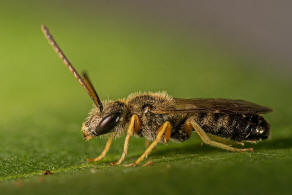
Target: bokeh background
x,y
229,49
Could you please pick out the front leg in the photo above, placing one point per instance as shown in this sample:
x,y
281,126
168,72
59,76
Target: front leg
x,y
106,149
165,130
134,126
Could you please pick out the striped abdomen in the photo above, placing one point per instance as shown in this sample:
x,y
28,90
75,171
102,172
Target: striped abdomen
x,y
235,126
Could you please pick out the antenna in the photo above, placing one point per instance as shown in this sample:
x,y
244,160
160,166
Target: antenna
x,y
84,82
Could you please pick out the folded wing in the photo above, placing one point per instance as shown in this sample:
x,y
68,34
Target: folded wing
x,y
226,106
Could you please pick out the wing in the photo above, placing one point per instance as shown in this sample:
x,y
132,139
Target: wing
x,y
216,106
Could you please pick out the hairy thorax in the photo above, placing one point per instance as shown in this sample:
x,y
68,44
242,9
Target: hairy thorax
x,y
147,107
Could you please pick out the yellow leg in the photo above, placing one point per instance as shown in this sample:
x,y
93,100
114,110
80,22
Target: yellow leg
x,y
164,129
251,142
207,140
107,147
133,127
225,140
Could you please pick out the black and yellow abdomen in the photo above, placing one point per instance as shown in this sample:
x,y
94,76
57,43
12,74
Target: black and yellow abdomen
x,y
234,126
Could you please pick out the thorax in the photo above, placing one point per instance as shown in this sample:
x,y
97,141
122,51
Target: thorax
x,y
146,106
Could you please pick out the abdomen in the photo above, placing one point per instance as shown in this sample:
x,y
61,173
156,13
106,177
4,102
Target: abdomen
x,y
235,126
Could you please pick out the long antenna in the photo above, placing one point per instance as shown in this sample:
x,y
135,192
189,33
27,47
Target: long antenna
x,y
85,84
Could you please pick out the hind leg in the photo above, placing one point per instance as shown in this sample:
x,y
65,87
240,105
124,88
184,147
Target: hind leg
x,y
205,138
225,140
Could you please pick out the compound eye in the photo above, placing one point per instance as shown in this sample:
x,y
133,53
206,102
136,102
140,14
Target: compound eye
x,y
107,123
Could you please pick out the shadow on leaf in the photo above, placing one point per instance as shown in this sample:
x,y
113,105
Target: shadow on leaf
x,y
184,149
280,143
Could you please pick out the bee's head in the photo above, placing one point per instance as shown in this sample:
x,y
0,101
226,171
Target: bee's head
x,y
111,119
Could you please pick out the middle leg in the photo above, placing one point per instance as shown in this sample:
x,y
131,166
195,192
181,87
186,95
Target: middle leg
x,y
134,126
165,130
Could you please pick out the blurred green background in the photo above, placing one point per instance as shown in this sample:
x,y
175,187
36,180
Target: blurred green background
x,y
125,50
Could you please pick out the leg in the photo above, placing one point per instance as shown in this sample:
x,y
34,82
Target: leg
x,y
165,129
133,127
252,142
207,140
225,140
107,147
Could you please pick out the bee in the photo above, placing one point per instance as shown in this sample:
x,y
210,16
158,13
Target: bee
x,y
158,117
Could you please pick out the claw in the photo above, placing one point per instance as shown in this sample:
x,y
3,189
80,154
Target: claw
x,y
147,163
131,165
114,163
247,150
91,160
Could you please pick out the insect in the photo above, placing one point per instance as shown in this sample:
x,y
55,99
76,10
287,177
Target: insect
x,y
160,118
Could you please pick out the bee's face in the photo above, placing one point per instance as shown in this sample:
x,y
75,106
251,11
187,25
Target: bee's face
x,y
108,120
